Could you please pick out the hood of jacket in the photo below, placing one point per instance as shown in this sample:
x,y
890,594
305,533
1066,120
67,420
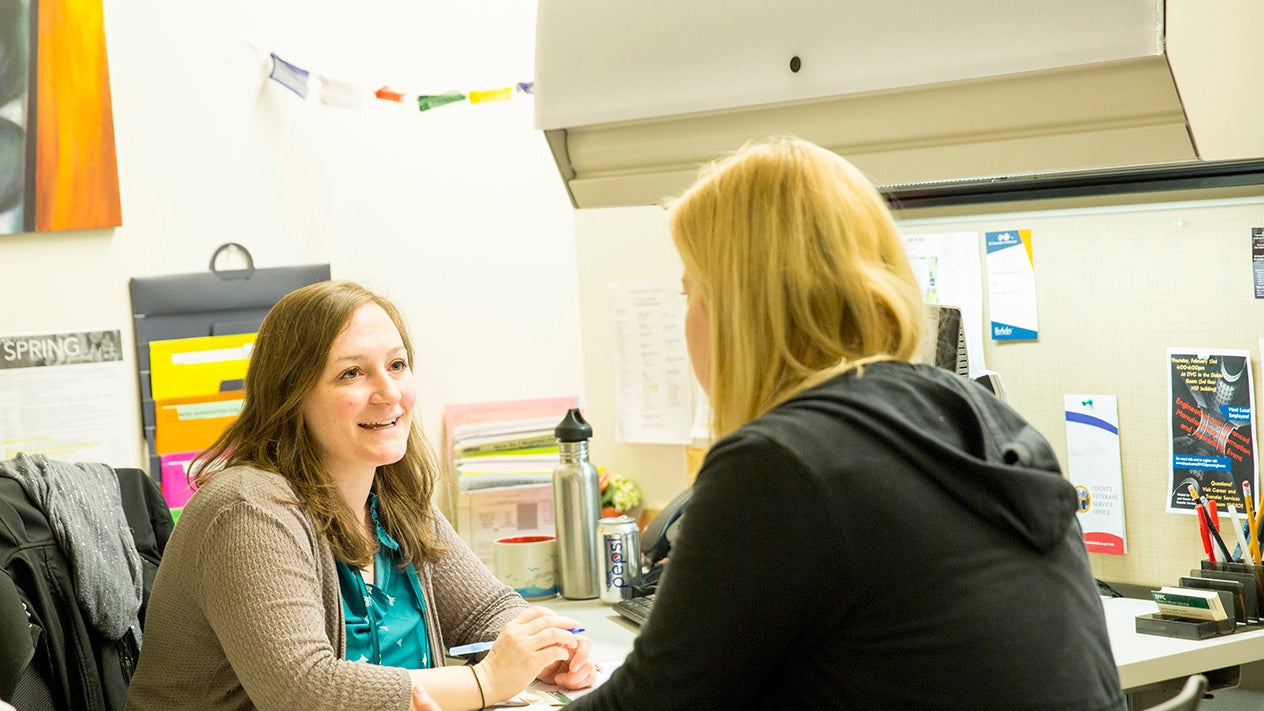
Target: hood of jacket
x,y
963,439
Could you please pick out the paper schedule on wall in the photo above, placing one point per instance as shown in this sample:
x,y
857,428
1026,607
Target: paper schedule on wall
x,y
1011,285
1094,467
653,396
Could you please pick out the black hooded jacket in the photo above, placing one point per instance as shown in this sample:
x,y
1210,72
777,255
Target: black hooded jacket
x,y
895,539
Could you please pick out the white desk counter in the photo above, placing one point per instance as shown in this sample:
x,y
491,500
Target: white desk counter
x,y
1146,659
1142,659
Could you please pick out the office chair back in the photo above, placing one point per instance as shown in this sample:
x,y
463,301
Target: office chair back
x,y
1190,697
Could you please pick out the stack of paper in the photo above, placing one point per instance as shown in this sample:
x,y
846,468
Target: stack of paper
x,y
500,458
504,454
506,443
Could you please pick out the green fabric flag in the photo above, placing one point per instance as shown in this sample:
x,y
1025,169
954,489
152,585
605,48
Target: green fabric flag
x,y
425,103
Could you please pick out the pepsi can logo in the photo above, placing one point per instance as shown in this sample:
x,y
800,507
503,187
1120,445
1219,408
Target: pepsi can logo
x,y
621,550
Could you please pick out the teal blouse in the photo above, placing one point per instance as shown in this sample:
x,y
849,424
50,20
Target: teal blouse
x,y
386,619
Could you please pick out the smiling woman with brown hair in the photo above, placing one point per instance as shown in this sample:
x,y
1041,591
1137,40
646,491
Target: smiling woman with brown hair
x,y
312,544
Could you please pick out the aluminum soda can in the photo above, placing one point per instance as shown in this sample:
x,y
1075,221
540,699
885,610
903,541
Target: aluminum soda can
x,y
619,540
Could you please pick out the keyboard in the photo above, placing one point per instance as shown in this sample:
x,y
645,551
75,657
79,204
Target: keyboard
x,y
636,609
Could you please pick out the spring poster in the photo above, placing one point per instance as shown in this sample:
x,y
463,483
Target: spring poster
x,y
1212,413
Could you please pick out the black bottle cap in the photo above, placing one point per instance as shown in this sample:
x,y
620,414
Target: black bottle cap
x,y
573,427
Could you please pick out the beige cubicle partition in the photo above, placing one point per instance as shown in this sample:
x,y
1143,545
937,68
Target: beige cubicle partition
x,y
1117,285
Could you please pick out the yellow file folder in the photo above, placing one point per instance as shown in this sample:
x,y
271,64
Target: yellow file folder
x,y
186,367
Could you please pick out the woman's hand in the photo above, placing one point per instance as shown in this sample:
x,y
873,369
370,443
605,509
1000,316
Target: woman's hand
x,y
528,645
578,672
421,701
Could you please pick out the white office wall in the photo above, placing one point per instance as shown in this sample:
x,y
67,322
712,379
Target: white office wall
x,y
618,244
457,213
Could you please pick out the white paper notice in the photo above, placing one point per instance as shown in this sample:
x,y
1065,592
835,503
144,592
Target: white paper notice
x,y
950,272
701,430
1011,285
487,514
1093,464
653,396
66,396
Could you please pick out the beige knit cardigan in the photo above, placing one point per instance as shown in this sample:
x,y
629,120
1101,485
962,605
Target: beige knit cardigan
x,y
245,611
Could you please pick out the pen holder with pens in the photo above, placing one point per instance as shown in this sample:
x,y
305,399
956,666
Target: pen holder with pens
x,y
1247,573
1240,587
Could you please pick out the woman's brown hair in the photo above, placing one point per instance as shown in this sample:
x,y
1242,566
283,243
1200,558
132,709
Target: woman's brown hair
x,y
288,357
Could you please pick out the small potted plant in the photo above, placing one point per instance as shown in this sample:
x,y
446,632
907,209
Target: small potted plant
x,y
619,495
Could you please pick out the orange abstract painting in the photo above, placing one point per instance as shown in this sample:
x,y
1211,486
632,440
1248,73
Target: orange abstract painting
x,y
55,98
76,173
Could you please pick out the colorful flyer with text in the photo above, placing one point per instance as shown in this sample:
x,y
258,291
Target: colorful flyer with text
x,y
1212,414
1011,285
1094,467
1257,260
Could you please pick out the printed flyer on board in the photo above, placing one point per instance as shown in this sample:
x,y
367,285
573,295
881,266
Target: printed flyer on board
x,y
1094,467
1212,414
67,396
1011,285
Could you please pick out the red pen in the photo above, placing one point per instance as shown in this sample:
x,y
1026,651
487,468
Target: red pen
x,y
1202,532
1213,523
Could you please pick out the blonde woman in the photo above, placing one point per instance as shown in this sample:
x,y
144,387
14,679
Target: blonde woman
x,y
866,532
311,570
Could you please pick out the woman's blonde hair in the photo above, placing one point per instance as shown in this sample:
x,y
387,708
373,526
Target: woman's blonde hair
x,y
802,270
289,356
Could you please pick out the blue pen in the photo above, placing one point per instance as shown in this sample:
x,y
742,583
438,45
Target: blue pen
x,y
484,646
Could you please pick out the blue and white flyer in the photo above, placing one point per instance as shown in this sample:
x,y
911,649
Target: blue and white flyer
x,y
1011,285
1094,467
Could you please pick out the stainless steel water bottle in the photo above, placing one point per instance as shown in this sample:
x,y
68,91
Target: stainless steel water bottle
x,y
576,508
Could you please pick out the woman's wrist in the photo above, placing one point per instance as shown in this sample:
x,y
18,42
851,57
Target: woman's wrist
x,y
488,689
482,697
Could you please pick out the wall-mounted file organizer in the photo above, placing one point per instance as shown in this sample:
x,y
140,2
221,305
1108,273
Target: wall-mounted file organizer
x,y
201,326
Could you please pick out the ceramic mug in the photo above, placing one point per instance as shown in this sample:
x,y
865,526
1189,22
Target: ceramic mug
x,y
528,564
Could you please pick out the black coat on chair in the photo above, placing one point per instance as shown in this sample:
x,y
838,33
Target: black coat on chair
x,y
51,657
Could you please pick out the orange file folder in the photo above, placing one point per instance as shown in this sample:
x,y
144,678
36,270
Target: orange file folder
x,y
192,423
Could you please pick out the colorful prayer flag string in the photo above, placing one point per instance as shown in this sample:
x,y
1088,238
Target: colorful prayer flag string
x,y
334,92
